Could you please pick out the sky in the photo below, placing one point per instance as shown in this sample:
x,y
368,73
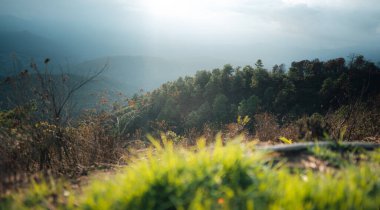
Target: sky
x,y
230,31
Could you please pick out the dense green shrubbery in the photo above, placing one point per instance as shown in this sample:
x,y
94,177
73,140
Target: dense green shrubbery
x,y
222,177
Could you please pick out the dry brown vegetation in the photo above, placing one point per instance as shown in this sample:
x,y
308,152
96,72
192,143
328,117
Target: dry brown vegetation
x,y
66,150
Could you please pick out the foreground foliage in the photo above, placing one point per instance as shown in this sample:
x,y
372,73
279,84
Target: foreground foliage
x,y
235,176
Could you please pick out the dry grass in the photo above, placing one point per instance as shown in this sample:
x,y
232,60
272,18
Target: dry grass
x,y
68,151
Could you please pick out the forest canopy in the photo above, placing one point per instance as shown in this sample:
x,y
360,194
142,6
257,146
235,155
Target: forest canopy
x,y
219,96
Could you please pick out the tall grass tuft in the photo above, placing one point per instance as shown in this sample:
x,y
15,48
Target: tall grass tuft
x,y
221,176
233,176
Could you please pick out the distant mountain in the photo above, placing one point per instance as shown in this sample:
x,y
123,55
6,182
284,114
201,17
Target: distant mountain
x,y
136,72
17,90
21,46
21,41
12,23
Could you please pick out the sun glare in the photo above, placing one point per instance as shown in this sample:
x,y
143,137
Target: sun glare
x,y
185,9
175,8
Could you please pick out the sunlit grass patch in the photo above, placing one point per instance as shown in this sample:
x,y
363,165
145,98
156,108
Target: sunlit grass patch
x,y
230,176
41,194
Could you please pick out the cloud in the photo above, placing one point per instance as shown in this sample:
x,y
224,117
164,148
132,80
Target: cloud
x,y
334,22
229,28
337,4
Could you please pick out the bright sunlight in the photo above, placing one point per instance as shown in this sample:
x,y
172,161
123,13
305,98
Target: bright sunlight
x,y
187,9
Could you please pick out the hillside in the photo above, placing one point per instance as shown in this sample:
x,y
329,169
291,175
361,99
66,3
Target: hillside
x,y
328,92
138,72
238,112
18,90
18,48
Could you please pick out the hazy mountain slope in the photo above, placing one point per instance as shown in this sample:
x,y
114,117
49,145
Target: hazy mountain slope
x,y
12,23
19,47
138,72
17,89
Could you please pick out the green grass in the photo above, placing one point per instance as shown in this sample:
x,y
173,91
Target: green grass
x,y
234,176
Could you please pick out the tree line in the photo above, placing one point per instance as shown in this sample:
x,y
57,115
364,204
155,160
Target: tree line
x,y
219,96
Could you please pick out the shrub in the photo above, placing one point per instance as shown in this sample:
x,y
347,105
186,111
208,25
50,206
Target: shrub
x,y
266,127
314,127
358,121
68,150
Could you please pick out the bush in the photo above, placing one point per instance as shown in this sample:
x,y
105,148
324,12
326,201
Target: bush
x,y
68,150
358,121
314,127
266,127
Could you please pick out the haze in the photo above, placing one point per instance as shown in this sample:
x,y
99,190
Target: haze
x,y
218,31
